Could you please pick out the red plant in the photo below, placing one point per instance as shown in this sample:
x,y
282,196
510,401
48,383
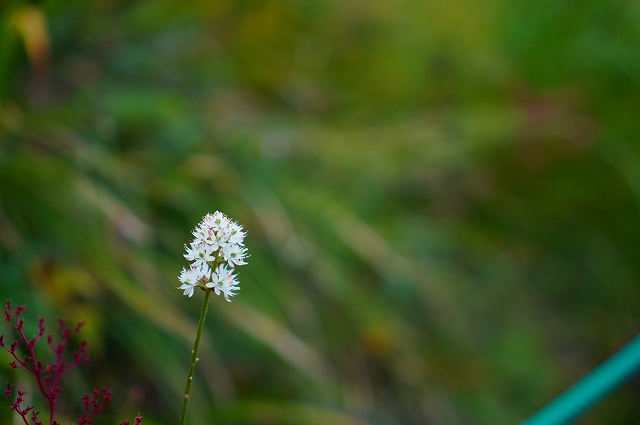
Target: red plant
x,y
48,375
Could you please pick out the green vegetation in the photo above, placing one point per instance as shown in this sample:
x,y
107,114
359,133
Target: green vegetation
x,y
442,201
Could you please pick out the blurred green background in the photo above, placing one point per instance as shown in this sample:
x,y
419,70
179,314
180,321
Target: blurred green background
x,y
442,201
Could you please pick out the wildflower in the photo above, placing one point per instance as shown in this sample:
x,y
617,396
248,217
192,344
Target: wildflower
x,y
217,244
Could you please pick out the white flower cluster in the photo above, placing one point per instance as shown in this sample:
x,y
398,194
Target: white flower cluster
x,y
216,248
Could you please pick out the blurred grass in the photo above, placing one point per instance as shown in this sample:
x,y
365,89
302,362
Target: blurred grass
x,y
442,201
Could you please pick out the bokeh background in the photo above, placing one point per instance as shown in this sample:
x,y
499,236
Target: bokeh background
x,y
442,201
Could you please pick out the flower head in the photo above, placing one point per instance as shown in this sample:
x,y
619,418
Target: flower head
x,y
218,245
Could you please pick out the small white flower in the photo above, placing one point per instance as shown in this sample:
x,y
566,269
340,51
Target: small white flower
x,y
219,276
216,221
192,252
200,235
223,280
209,220
234,255
217,242
188,289
200,254
236,235
227,289
203,272
189,279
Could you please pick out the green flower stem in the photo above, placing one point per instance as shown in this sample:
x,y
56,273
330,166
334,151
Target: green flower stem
x,y
604,379
194,357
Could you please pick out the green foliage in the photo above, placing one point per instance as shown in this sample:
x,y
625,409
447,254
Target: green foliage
x,y
442,200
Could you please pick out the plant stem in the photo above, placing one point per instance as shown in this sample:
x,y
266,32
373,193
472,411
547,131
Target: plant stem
x,y
194,357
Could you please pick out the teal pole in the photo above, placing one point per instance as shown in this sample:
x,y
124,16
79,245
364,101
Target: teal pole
x,y
596,385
